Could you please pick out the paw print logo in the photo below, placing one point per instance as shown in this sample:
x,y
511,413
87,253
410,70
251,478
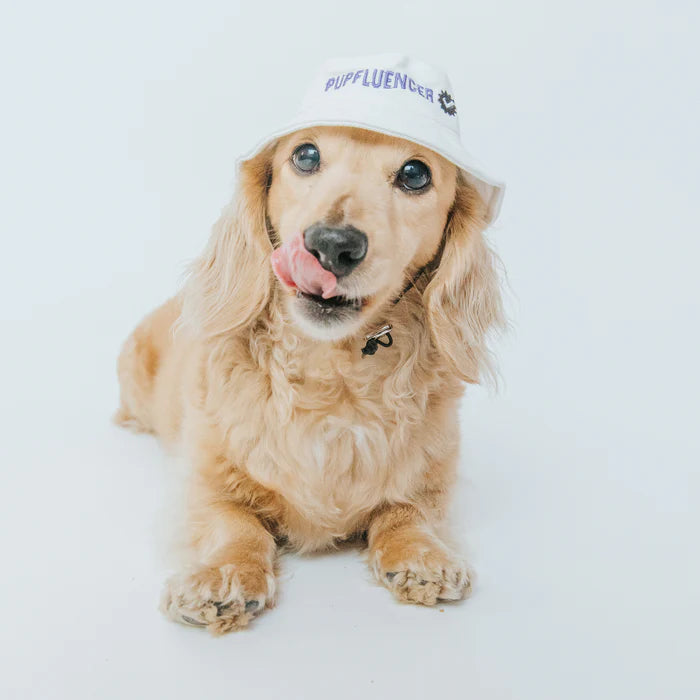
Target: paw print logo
x,y
447,104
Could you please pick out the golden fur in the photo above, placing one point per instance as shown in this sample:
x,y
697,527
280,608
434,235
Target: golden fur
x,y
303,440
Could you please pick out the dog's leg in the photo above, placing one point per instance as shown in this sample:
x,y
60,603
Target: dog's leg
x,y
409,558
234,577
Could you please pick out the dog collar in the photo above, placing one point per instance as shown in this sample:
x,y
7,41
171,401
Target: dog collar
x,y
373,340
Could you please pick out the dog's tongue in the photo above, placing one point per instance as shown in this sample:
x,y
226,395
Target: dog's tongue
x,y
297,268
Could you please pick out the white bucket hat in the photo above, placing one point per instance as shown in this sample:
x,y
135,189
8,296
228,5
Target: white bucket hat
x,y
395,95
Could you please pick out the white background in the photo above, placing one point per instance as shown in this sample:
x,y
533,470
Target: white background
x,y
578,500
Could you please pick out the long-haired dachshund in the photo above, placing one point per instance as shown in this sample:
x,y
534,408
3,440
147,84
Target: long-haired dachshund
x,y
304,421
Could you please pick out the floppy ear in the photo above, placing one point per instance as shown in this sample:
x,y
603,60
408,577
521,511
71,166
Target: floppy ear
x,y
229,285
463,298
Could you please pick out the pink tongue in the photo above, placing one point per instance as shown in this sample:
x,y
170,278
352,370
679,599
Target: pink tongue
x,y
297,268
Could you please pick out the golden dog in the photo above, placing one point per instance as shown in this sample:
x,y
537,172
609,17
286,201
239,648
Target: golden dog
x,y
294,435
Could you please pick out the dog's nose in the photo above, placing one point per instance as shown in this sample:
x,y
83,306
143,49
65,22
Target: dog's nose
x,y
339,250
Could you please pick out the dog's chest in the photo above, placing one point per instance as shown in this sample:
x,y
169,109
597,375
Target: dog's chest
x,y
333,448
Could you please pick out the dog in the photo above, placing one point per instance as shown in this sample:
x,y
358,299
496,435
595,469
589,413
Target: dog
x,y
295,436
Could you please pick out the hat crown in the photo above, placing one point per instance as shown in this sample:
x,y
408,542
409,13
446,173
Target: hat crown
x,y
389,81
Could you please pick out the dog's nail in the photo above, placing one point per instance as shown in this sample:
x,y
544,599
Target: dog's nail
x,y
252,605
390,575
194,623
221,608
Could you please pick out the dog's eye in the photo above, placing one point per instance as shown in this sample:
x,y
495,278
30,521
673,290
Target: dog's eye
x,y
413,175
306,158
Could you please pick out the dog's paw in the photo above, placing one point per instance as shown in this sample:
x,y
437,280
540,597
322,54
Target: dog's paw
x,y
221,599
421,570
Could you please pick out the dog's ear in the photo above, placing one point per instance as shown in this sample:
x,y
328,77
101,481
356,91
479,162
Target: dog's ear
x,y
463,298
230,284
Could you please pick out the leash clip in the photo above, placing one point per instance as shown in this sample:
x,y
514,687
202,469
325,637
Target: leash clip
x,y
373,340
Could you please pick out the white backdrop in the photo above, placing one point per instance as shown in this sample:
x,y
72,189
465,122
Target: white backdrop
x,y
578,499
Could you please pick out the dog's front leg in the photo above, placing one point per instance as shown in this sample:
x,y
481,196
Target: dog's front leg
x,y
411,560
233,578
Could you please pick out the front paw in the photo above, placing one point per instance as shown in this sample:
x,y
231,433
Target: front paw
x,y
421,569
220,598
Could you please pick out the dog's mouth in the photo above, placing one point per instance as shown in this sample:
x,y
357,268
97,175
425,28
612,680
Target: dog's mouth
x,y
317,298
335,309
332,303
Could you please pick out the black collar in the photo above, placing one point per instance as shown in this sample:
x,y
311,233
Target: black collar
x,y
374,340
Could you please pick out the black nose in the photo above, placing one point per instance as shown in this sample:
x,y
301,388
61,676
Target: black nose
x,y
339,250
